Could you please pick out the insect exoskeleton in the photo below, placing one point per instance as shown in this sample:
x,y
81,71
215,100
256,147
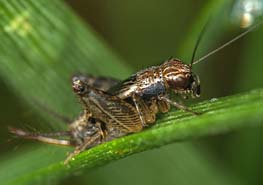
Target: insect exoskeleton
x,y
120,117
179,78
173,75
149,89
111,110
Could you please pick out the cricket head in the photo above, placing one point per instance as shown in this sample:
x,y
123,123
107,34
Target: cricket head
x,y
179,78
79,86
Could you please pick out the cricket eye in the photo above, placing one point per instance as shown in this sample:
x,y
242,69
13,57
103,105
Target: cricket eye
x,y
178,83
81,89
78,86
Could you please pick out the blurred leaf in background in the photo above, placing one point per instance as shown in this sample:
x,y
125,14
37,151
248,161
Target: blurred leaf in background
x,y
42,46
148,32
43,43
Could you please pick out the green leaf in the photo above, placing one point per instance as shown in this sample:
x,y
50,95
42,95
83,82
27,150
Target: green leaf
x,y
42,45
49,46
41,48
218,116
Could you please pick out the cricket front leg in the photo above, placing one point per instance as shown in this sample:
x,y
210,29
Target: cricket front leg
x,y
43,137
178,105
139,110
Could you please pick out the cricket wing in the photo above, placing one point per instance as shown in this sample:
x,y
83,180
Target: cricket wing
x,y
116,113
122,86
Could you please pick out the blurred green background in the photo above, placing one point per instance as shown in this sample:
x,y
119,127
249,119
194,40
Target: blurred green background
x,y
145,33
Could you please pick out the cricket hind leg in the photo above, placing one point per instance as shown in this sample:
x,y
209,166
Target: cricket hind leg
x,y
43,137
178,105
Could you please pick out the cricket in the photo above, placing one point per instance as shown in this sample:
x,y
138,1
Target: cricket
x,y
114,108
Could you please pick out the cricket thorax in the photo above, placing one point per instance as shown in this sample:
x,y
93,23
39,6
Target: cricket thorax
x,y
150,83
146,83
178,77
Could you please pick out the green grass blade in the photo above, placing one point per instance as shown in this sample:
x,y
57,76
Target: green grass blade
x,y
49,46
43,43
42,47
219,116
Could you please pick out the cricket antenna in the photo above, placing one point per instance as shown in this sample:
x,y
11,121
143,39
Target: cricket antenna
x,y
228,43
200,36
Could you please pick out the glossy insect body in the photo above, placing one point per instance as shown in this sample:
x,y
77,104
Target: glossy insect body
x,y
149,89
172,75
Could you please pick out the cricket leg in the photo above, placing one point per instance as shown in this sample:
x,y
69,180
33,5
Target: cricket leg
x,y
88,142
147,113
177,105
43,137
136,103
148,110
163,106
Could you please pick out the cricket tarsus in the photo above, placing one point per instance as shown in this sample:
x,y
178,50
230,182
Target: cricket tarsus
x,y
179,106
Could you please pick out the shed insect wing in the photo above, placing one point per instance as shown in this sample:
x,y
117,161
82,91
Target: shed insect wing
x,y
118,114
115,112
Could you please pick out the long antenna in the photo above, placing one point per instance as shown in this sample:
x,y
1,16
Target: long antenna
x,y
200,36
229,42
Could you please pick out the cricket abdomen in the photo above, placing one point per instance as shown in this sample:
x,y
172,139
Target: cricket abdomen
x,y
153,90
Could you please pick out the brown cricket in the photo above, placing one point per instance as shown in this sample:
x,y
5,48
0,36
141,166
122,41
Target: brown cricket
x,y
112,109
150,88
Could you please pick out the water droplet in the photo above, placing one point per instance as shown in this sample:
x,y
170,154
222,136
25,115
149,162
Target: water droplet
x,y
20,24
110,152
213,99
245,12
132,141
